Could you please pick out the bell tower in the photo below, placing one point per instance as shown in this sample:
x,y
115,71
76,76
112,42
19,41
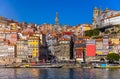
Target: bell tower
x,y
56,26
56,19
95,12
95,15
107,10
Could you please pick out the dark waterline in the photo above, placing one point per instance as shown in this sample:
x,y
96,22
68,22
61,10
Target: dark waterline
x,y
54,73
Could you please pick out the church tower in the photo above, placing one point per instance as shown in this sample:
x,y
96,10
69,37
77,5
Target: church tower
x,y
100,11
107,10
95,15
95,12
56,19
57,26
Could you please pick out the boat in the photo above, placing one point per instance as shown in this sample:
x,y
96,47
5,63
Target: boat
x,y
107,66
41,66
27,65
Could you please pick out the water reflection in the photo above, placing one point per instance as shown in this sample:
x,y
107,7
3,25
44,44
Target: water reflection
x,y
53,73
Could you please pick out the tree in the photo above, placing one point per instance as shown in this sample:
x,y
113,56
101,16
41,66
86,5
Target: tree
x,y
89,33
96,32
113,57
114,32
107,31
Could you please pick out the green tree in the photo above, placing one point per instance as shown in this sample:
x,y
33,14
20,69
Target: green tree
x,y
113,57
96,32
114,32
107,31
89,33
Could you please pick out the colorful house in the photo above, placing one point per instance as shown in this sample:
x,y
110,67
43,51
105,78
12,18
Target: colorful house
x,y
90,48
99,47
33,46
22,49
65,49
79,54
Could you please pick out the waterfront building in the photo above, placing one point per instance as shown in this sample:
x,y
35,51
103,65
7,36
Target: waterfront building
x,y
43,50
65,49
78,50
56,51
105,44
33,48
22,50
99,47
50,40
90,48
7,53
80,47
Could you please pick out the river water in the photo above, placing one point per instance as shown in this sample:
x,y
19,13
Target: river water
x,y
58,73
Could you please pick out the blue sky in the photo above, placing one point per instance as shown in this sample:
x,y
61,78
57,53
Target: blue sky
x,y
71,12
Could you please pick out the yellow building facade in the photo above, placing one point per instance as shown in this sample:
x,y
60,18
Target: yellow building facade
x,y
33,46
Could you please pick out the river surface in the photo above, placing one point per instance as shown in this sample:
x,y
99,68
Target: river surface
x,y
58,73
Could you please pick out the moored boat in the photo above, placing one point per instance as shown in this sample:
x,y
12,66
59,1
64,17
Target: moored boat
x,y
41,66
107,66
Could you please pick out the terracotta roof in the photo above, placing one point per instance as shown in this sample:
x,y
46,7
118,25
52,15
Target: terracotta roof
x,y
114,16
99,40
80,48
53,33
64,39
11,44
25,33
7,31
13,30
44,32
68,33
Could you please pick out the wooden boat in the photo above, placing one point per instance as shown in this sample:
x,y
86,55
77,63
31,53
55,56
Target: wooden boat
x,y
107,66
42,66
27,65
